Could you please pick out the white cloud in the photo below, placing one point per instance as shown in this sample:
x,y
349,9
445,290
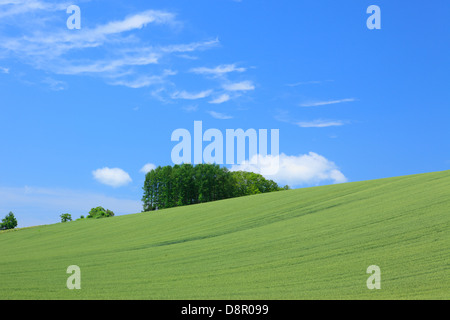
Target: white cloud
x,y
219,115
239,86
137,21
140,82
188,57
191,108
284,116
307,169
48,43
122,56
191,96
221,99
147,168
4,70
111,66
307,82
323,103
114,177
320,123
55,85
17,7
190,47
218,71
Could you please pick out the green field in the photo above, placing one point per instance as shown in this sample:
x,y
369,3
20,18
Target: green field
x,y
312,243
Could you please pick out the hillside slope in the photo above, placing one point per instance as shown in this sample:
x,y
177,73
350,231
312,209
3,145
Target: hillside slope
x,y
313,243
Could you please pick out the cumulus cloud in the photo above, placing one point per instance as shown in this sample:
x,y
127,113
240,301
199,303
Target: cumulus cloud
x,y
147,168
114,177
295,171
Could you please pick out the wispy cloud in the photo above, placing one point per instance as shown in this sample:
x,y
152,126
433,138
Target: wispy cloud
x,y
144,81
324,103
190,108
301,83
219,70
284,116
218,115
55,85
229,89
4,70
191,96
141,82
47,42
239,86
320,123
10,8
221,99
190,47
122,56
137,21
106,66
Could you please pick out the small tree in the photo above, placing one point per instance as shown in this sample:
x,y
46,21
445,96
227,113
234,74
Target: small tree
x,y
66,217
9,222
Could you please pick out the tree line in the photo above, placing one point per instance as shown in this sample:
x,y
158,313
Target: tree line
x,y
186,184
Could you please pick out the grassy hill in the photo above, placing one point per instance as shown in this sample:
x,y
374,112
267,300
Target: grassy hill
x,y
313,243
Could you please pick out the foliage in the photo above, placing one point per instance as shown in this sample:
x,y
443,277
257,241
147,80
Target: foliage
x,y
66,217
9,222
185,184
100,212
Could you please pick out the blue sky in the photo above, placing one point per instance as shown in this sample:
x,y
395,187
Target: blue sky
x,y
82,112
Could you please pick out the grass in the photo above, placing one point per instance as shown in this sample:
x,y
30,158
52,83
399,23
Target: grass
x,y
312,243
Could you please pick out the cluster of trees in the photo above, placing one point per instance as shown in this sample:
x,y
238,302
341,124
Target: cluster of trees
x,y
186,184
100,212
9,222
95,213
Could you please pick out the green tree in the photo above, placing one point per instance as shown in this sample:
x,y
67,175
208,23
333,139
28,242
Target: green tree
x,y
185,184
66,217
9,222
100,212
